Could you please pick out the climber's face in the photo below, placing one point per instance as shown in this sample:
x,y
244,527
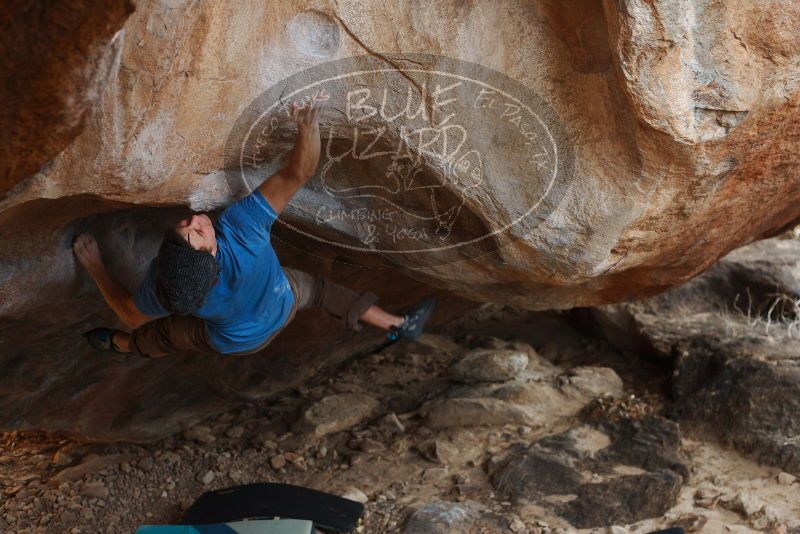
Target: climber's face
x,y
199,232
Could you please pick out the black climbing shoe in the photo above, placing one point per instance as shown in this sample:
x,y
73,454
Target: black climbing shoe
x,y
102,339
413,321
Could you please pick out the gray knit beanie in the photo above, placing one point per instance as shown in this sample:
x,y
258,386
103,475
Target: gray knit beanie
x,y
184,277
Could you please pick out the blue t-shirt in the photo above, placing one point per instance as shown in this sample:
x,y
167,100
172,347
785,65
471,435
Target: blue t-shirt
x,y
252,298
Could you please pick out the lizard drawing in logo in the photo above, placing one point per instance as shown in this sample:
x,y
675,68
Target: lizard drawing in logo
x,y
424,173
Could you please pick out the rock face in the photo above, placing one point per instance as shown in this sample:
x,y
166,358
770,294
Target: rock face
x,y
733,336
578,153
57,58
635,467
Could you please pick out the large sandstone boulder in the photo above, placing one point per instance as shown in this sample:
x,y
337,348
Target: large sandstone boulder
x,y
551,154
56,58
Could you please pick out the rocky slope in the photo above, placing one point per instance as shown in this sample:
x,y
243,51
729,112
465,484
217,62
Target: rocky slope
x,y
560,434
733,335
549,154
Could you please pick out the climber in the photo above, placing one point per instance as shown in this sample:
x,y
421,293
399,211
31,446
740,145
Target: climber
x,y
218,286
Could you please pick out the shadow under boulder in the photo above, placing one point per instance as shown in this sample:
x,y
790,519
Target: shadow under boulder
x,y
52,380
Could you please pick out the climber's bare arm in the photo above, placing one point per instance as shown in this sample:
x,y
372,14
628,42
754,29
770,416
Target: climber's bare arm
x,y
117,297
279,188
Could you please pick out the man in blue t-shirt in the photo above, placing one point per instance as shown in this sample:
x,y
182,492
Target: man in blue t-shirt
x,y
218,287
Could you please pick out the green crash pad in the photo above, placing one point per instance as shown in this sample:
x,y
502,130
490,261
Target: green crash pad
x,y
259,526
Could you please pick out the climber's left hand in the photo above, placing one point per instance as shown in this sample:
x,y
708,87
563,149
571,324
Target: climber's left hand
x,y
88,252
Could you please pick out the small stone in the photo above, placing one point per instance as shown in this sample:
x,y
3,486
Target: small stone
x,y
517,525
706,493
424,432
357,458
146,464
692,522
200,434
260,438
747,504
392,423
366,445
439,452
617,530
434,475
785,479
94,490
355,494
207,478
278,461
172,457
706,497
235,432
296,460
42,466
62,459
460,478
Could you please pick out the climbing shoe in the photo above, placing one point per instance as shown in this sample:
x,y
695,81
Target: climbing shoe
x,y
102,339
413,321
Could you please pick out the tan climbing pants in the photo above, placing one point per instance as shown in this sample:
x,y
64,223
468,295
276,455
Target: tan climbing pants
x,y
183,333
